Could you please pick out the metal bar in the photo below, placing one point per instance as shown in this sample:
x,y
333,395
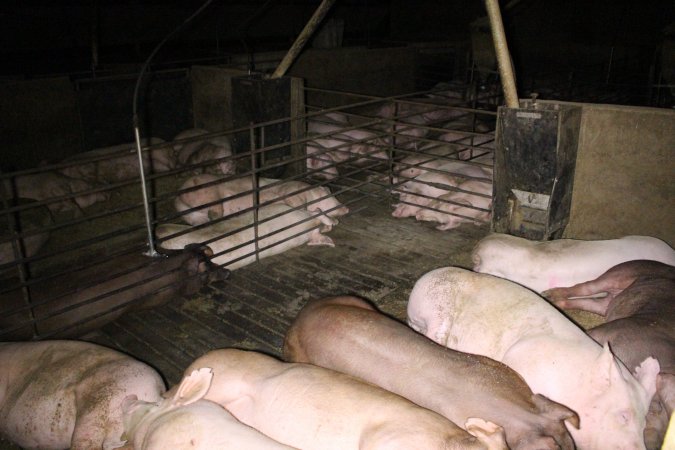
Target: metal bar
x,y
302,39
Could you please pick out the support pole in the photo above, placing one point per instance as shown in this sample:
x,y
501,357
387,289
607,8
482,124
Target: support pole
x,y
503,56
302,39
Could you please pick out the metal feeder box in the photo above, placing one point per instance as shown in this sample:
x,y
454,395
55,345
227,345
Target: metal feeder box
x,y
535,156
256,100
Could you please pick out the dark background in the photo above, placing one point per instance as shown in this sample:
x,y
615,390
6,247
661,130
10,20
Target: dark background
x,y
43,37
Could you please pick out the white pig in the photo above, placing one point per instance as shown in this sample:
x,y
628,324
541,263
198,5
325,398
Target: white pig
x,y
310,407
432,184
563,262
471,208
243,240
490,316
187,421
227,195
69,394
200,151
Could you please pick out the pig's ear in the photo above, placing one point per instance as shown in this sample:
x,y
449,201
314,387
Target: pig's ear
x,y
193,387
490,434
646,374
609,369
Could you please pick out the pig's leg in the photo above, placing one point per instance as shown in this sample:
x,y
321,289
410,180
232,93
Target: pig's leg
x,y
316,238
587,296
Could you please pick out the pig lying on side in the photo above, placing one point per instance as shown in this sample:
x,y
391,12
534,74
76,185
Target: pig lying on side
x,y
119,162
563,262
486,315
455,207
223,199
341,142
50,185
218,149
69,394
348,335
416,192
310,407
280,216
84,300
186,420
639,308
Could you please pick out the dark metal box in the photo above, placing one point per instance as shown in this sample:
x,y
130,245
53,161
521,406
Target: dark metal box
x,y
535,155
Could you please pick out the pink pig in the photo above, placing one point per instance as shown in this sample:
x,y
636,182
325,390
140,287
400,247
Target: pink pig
x,y
563,262
482,314
69,394
310,407
187,420
455,208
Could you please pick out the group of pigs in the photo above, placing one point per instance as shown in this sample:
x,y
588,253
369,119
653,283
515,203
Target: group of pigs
x,y
221,213
80,181
487,363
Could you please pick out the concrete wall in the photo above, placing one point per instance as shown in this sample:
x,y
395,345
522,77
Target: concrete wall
x,y
625,172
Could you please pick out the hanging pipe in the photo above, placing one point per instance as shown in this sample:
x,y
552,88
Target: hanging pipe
x,y
302,39
137,133
503,56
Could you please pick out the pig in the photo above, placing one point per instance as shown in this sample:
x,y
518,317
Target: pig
x,y
639,309
311,407
84,300
564,262
186,420
486,315
200,151
234,239
419,190
348,335
48,185
236,195
336,140
68,394
32,226
456,207
119,162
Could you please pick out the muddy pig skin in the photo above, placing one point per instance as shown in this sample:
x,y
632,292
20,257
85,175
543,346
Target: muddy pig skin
x,y
206,149
124,283
490,316
311,407
348,335
639,309
68,394
187,421
562,262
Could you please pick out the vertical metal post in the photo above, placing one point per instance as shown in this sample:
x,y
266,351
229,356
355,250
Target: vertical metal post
x,y
148,220
255,193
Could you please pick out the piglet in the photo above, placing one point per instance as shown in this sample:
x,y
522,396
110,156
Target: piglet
x,y
482,314
637,299
69,394
348,335
563,262
187,421
311,407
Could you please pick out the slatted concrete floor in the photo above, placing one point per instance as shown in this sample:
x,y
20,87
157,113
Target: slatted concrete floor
x,y
376,257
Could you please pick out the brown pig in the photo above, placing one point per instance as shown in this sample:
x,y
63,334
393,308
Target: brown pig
x,y
639,308
87,299
348,335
